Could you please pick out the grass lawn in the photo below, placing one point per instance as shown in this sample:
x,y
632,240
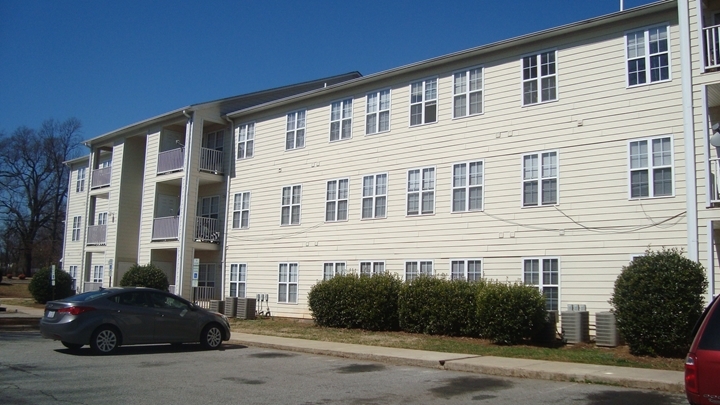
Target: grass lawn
x,y
14,289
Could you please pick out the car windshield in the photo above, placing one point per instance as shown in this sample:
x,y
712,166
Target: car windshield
x,y
86,296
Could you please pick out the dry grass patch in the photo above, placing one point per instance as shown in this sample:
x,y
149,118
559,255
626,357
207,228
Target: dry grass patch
x,y
14,289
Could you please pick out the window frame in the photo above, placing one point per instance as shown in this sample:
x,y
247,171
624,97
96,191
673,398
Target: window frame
x,y
102,218
374,197
650,168
240,279
541,281
249,140
646,58
98,270
72,272
80,179
539,78
288,283
378,112
291,205
76,227
214,135
338,268
539,179
244,207
419,264
467,93
373,270
341,120
337,200
466,273
296,129
467,187
420,191
424,101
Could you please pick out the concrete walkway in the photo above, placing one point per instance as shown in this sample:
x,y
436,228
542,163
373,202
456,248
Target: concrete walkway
x,y
663,380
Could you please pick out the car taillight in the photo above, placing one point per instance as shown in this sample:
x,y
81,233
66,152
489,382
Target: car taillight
x,y
75,310
691,384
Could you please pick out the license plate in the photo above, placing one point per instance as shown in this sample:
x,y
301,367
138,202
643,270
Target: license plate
x,y
51,314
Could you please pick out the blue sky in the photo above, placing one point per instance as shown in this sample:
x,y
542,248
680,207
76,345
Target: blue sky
x,y
113,63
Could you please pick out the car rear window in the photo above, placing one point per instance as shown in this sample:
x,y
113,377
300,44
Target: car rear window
x,y
86,296
710,339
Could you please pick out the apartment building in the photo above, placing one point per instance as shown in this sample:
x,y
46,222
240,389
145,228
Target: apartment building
x,y
551,159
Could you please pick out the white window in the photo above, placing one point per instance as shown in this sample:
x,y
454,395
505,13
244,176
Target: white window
x,y
416,269
648,56
295,131
423,102
333,269
290,214
98,274
421,191
76,228
469,270
207,276
245,140
341,120
210,207
288,283
72,271
540,179
102,218
374,198
241,210
539,78
651,167
336,200
80,183
467,186
238,278
214,140
468,92
377,118
372,268
544,273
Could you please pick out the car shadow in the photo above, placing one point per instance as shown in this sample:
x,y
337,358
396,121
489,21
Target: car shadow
x,y
150,349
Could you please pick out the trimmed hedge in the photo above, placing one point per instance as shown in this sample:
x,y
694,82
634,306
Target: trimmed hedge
x,y
657,299
511,313
41,288
145,276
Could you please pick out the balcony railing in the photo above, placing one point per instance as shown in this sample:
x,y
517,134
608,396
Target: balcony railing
x,y
91,286
101,177
207,230
711,46
211,160
714,181
96,235
171,160
165,228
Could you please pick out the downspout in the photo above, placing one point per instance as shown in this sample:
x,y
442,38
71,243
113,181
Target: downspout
x,y
179,272
688,131
230,168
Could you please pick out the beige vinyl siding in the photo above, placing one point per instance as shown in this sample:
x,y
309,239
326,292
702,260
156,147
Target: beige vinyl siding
x,y
76,206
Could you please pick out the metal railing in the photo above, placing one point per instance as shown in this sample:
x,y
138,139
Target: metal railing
x,y
713,180
171,160
711,46
96,235
211,160
206,230
91,286
101,177
203,295
165,228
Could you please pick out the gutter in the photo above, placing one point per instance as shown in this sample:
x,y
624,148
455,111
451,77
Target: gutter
x,y
230,168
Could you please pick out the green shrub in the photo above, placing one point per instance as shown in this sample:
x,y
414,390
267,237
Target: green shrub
x,y
377,301
510,313
145,276
438,306
41,288
333,302
656,301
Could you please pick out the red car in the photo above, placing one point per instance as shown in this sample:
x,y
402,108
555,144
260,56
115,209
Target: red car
x,y
702,366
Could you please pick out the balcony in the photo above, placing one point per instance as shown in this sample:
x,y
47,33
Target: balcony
x,y
207,230
91,286
171,160
165,228
96,235
711,46
211,160
101,177
714,181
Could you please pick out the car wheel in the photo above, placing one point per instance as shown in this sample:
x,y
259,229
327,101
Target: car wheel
x,y
105,340
71,346
211,337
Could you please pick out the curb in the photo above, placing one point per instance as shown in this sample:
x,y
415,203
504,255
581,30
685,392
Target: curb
x,y
17,323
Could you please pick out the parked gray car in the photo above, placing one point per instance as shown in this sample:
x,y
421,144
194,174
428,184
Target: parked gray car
x,y
111,317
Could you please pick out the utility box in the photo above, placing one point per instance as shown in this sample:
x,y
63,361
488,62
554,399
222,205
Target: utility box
x,y
230,306
245,308
576,326
606,331
217,306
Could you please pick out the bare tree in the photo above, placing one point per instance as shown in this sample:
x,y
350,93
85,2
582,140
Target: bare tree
x,y
33,184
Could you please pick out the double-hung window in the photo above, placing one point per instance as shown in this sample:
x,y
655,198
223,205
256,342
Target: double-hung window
x,y
469,270
238,278
98,274
467,186
372,268
80,183
332,269
336,200
468,92
648,56
651,167
341,120
540,179
544,273
102,218
76,228
374,197
241,210
288,283
423,102
421,191
245,140
377,112
539,78
72,271
295,131
290,213
415,269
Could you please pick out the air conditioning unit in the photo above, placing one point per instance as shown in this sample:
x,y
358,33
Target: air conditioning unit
x,y
606,331
548,334
245,308
576,326
217,306
230,306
